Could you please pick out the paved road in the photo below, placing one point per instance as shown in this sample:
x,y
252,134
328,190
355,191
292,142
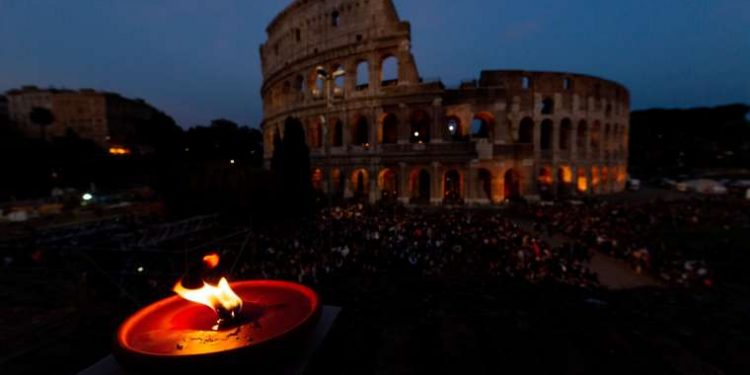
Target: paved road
x,y
613,273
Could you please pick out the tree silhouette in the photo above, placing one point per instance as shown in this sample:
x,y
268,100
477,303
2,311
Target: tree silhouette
x,y
291,165
43,118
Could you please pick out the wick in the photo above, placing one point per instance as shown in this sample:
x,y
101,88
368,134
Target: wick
x,y
226,318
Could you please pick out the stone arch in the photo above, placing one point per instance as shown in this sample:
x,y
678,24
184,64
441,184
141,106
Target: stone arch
x,y
566,128
389,71
607,135
564,180
360,180
388,183
361,132
548,106
420,186
582,182
454,128
339,83
483,125
315,133
595,178
605,175
317,177
389,129
545,140
512,184
299,83
363,74
338,181
595,140
335,18
317,84
420,126
545,181
452,186
526,131
337,135
581,136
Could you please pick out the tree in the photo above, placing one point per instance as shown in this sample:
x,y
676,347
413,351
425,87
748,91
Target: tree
x,y
43,118
291,165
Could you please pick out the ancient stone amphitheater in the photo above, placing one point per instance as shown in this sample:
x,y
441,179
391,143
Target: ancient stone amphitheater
x,y
381,131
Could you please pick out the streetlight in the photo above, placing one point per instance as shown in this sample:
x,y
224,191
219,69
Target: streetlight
x,y
328,78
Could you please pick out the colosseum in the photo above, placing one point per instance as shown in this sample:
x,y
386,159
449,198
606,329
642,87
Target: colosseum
x,y
376,129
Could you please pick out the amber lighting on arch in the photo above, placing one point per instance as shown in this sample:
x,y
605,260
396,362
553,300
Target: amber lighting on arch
x,y
119,151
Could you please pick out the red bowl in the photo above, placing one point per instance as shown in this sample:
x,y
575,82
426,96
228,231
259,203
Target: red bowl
x,y
175,334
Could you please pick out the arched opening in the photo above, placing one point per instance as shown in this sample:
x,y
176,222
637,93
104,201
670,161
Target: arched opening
x,y
545,183
545,140
605,177
512,182
595,178
335,18
482,125
339,182
454,129
581,137
315,134
319,84
299,83
360,183
337,136
596,135
317,179
566,127
390,129
389,72
388,184
420,186
361,134
582,183
606,140
548,106
564,181
526,131
338,82
363,75
452,187
484,184
420,127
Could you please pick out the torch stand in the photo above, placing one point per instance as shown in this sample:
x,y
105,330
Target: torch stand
x,y
109,366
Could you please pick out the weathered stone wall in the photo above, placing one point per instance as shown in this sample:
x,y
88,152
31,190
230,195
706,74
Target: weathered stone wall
x,y
509,133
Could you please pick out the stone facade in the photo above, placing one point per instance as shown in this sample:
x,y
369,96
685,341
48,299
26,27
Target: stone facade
x,y
106,118
381,131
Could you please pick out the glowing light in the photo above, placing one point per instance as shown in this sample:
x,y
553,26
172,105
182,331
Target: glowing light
x,y
583,184
231,161
211,261
87,197
416,134
140,269
220,297
119,151
452,128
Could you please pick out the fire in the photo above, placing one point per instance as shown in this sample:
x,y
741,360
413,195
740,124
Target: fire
x,y
221,298
211,260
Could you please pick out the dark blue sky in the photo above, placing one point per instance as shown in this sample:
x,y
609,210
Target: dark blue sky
x,y
198,59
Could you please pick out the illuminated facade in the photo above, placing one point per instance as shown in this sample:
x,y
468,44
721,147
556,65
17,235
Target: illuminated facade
x,y
382,131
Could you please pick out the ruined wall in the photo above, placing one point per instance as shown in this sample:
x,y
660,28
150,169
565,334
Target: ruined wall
x,y
541,132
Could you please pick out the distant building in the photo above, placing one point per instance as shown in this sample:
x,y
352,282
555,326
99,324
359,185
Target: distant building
x,y
389,133
4,117
108,119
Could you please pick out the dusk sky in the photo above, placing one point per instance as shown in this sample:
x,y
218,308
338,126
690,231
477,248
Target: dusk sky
x,y
198,60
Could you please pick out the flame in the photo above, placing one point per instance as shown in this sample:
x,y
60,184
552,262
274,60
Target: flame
x,y
221,298
211,260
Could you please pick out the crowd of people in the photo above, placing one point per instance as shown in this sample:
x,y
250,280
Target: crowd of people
x,y
638,232
383,240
